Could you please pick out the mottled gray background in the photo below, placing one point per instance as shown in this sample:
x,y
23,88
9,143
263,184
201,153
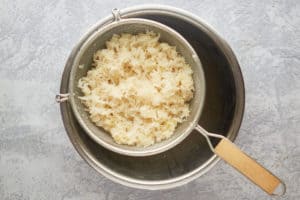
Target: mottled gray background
x,y
37,161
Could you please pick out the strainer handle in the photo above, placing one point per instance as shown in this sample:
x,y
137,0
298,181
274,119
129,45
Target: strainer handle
x,y
249,167
246,165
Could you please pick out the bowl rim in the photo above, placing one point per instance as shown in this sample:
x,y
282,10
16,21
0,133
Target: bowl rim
x,y
232,132
155,148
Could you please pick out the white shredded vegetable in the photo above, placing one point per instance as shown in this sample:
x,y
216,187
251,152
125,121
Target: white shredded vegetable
x,y
138,89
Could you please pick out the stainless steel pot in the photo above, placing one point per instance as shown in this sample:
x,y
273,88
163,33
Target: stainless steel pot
x,y
222,111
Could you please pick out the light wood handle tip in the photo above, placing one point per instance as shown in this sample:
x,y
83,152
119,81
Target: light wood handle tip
x,y
249,167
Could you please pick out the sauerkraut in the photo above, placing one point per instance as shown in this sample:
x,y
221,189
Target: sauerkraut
x,y
138,89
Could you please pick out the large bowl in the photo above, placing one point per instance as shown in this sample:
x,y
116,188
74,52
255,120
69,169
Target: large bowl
x,y
222,112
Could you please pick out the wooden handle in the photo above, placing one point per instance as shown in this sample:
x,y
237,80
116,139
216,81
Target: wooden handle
x,y
247,166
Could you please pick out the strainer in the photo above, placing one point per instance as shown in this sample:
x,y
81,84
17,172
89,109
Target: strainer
x,y
225,149
97,41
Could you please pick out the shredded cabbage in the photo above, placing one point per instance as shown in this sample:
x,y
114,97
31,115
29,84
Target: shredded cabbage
x,y
138,89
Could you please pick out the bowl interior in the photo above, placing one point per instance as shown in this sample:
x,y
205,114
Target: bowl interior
x,y
134,26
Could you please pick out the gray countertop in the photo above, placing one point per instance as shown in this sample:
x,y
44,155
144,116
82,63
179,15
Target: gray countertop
x,y
37,160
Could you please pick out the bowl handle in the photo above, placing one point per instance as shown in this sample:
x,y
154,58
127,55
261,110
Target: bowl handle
x,y
243,163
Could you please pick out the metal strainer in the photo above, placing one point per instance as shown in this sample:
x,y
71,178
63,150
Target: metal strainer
x,y
224,149
97,41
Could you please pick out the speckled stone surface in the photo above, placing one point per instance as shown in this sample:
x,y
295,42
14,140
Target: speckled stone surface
x,y
37,160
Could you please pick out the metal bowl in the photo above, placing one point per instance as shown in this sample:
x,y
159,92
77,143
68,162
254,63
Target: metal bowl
x,y
84,57
222,112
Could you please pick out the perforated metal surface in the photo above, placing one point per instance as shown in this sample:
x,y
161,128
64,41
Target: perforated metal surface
x,y
96,40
